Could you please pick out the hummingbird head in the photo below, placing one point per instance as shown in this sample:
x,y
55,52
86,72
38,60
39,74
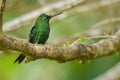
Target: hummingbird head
x,y
45,18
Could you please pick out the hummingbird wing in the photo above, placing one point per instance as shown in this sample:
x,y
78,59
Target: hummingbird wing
x,y
34,34
37,36
31,35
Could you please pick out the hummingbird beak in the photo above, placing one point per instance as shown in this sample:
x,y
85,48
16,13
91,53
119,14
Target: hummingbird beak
x,y
56,14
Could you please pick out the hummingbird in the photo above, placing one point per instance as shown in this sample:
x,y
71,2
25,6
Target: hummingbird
x,y
39,32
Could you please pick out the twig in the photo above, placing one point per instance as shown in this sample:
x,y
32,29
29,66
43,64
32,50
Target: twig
x,y
107,21
1,13
90,38
99,28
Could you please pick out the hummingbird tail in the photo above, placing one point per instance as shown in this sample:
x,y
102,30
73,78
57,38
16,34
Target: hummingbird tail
x,y
20,58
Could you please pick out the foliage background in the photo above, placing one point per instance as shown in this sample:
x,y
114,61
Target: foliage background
x,y
44,69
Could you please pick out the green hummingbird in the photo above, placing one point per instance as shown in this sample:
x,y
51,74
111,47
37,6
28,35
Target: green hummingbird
x,y
39,32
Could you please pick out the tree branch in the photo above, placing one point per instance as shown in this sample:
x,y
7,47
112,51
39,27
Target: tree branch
x,y
62,54
1,13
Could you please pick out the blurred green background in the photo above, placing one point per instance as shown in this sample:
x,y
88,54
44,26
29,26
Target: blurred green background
x,y
44,69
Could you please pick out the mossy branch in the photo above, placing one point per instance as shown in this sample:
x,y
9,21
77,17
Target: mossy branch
x,y
62,54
